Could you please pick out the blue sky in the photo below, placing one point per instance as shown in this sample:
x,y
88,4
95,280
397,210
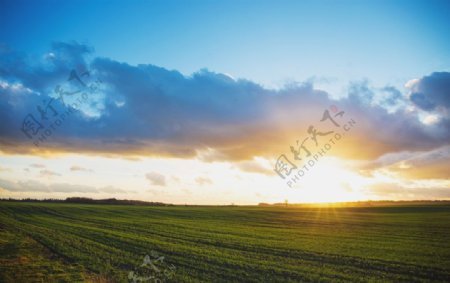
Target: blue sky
x,y
269,42
196,101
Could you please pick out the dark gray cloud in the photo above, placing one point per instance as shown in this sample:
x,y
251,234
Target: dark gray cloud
x,y
432,91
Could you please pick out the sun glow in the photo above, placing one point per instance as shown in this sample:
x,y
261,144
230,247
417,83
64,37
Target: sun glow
x,y
330,180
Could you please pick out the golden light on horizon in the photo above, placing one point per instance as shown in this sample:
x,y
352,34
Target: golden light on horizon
x,y
330,180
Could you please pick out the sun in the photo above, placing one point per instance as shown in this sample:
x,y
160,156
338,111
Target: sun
x,y
329,180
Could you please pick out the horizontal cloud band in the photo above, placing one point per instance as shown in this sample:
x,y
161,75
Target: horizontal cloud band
x,y
148,110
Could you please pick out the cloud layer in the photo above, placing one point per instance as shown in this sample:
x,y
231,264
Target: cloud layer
x,y
122,109
36,186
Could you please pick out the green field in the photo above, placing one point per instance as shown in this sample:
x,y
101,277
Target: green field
x,y
56,242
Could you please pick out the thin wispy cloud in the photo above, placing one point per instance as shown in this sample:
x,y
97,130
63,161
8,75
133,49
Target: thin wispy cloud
x,y
48,173
35,165
36,186
203,181
156,179
77,168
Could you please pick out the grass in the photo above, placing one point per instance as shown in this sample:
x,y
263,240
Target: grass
x,y
55,242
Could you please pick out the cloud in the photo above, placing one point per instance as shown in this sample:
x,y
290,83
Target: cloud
x,y
4,169
203,181
414,165
156,192
392,95
23,186
175,179
35,165
431,92
113,190
399,192
48,173
149,110
254,167
81,169
70,188
42,75
156,179
35,186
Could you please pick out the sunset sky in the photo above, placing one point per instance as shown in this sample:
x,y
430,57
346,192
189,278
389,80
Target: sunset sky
x,y
195,101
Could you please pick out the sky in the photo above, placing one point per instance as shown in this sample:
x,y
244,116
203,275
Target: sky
x,y
219,102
